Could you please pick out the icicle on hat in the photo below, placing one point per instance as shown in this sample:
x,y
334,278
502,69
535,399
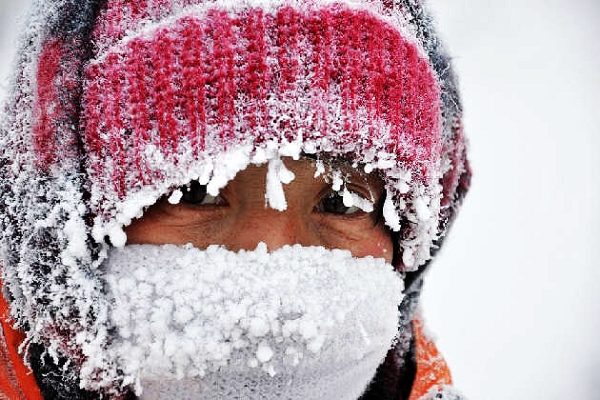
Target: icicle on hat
x,y
116,102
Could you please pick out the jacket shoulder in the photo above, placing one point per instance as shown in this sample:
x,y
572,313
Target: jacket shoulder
x,y
433,379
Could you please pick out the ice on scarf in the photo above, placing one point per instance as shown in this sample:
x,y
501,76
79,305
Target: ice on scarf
x,y
203,310
117,236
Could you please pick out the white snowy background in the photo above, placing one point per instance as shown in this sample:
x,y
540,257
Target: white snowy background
x,y
514,299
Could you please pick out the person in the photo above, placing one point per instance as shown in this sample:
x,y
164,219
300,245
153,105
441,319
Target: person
x,y
217,199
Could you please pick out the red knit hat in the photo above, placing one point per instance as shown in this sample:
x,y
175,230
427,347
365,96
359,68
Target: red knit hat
x,y
117,102
171,88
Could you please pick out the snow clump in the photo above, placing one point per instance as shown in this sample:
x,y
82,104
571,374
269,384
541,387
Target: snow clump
x,y
185,313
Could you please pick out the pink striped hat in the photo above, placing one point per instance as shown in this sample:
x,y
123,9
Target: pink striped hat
x,y
179,90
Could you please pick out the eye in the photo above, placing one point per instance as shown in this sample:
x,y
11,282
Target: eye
x,y
334,204
195,194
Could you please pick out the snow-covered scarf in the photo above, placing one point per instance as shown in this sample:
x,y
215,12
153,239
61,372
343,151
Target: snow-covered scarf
x,y
116,102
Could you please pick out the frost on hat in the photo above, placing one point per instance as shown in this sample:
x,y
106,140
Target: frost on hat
x,y
117,102
200,93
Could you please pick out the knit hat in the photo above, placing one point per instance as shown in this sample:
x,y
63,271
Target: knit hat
x,y
117,102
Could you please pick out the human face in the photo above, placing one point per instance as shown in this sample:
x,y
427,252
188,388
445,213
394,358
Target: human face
x,y
238,217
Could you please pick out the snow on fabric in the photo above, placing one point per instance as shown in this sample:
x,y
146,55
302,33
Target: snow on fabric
x,y
300,322
81,155
232,78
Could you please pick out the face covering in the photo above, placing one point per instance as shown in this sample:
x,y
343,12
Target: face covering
x,y
297,323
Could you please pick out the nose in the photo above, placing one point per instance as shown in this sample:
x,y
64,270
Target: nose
x,y
274,228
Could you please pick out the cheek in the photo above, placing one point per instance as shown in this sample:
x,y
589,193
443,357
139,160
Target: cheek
x,y
378,244
173,225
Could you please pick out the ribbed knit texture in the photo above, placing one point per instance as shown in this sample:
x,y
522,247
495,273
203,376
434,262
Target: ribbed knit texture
x,y
340,80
